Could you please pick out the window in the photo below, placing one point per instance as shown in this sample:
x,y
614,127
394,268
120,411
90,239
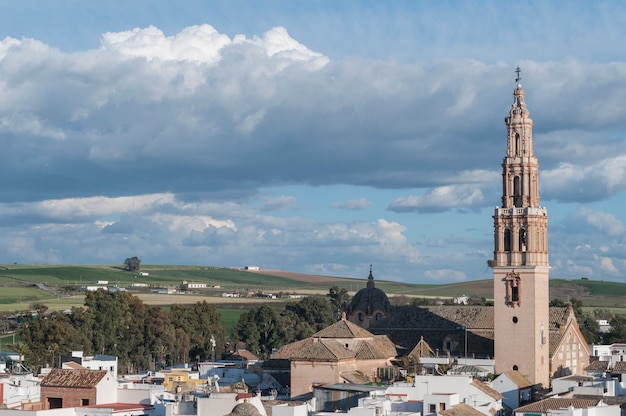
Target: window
x,y
517,192
432,408
507,240
84,402
55,402
522,239
513,289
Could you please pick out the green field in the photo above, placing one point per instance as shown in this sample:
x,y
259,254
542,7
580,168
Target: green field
x,y
21,290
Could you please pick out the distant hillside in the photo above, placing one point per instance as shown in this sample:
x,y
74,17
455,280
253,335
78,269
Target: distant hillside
x,y
20,283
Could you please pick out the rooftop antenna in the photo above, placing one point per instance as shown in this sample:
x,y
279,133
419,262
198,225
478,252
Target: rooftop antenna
x,y
519,78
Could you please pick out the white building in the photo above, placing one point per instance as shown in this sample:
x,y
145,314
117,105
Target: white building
x,y
96,362
470,391
18,389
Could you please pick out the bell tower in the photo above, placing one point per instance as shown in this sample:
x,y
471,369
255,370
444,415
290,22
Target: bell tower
x,y
520,264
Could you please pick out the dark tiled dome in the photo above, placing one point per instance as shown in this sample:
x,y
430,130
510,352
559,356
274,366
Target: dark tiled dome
x,y
369,299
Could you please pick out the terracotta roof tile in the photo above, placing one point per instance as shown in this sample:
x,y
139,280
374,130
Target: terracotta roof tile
x,y
619,366
486,389
243,353
315,349
343,329
73,378
557,403
286,351
555,340
407,324
367,351
517,378
557,318
597,365
384,344
461,409
355,377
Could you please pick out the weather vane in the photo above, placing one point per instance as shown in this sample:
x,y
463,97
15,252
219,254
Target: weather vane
x,y
519,78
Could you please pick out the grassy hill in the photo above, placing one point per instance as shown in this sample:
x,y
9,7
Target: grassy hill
x,y
25,284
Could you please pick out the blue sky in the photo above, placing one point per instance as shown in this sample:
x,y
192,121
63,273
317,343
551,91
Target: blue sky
x,y
318,136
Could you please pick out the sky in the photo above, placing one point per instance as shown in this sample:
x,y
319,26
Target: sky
x,y
309,136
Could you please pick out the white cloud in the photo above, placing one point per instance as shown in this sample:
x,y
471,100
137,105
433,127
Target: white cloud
x,y
353,204
279,203
195,43
440,199
80,209
28,125
586,181
606,265
587,242
159,142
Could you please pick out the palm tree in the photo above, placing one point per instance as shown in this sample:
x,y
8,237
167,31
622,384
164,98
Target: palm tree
x,y
161,352
21,348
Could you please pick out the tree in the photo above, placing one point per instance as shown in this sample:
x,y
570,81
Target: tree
x,y
132,264
617,333
259,330
316,311
160,336
201,322
586,321
45,336
556,302
340,299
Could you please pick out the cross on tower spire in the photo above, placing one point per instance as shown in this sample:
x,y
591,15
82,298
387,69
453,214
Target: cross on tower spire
x,y
520,264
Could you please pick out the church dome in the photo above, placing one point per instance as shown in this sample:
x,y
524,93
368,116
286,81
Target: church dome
x,y
369,299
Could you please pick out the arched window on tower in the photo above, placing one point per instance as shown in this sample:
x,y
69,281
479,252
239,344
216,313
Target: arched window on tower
x,y
517,192
522,239
517,145
507,240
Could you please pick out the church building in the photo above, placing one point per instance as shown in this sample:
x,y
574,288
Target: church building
x,y
521,332
369,305
520,264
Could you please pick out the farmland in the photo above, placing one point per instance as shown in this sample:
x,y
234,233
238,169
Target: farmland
x,y
58,287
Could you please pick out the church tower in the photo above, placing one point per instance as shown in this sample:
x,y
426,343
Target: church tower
x,y
520,264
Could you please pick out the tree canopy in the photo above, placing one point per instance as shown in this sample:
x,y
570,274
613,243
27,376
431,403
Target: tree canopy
x,y
120,324
264,330
132,264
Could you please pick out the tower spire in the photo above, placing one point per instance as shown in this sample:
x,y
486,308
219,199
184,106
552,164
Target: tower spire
x,y
370,279
520,263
